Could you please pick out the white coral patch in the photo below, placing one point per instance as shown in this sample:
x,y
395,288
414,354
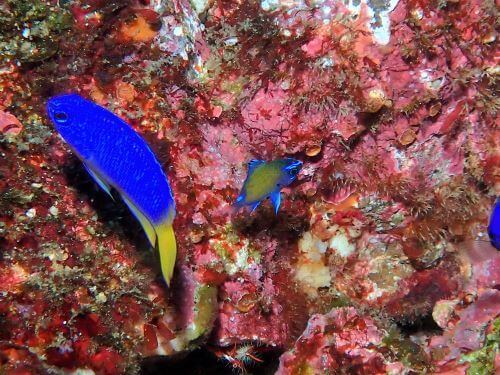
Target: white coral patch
x,y
381,27
268,5
311,270
432,79
340,243
375,293
315,275
200,5
312,247
82,371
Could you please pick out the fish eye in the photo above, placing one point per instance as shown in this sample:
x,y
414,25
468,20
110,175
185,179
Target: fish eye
x,y
61,117
294,171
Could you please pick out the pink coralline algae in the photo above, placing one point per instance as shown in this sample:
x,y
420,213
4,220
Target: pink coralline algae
x,y
9,124
469,318
341,341
378,260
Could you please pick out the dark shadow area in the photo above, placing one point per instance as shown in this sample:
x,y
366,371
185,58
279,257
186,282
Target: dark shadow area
x,y
113,214
3,246
369,119
203,362
284,226
424,324
161,150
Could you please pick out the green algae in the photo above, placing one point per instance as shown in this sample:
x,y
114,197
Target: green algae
x,y
304,369
205,301
15,196
30,30
482,361
406,351
236,254
338,299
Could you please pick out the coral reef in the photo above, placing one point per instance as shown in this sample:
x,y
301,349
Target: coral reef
x,y
379,257
345,341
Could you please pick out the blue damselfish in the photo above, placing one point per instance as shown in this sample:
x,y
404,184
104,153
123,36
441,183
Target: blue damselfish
x,y
118,158
494,226
265,180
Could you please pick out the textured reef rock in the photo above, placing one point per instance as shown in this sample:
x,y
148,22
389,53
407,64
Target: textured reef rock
x,y
378,261
470,322
343,340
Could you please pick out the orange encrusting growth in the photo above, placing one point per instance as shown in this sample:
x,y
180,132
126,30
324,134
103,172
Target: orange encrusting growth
x,y
348,203
137,30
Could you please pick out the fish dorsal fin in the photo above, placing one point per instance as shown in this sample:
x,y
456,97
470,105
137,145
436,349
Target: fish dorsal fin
x,y
145,223
99,181
252,164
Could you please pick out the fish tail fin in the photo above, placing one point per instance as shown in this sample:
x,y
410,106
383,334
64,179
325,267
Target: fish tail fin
x,y
167,249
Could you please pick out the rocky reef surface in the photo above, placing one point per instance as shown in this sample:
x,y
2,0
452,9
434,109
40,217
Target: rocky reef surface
x,y
378,261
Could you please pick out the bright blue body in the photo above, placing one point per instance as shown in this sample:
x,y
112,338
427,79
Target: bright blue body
x,y
494,226
113,150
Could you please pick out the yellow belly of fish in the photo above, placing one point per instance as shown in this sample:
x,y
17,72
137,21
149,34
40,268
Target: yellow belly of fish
x,y
262,183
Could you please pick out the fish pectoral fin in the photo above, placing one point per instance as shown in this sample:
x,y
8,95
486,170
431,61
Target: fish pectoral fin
x,y
99,181
252,164
240,201
166,247
276,200
145,223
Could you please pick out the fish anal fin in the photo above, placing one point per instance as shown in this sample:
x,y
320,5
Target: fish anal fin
x,y
252,164
276,200
254,206
99,181
143,220
166,248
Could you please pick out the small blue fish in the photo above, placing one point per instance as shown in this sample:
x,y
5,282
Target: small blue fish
x,y
117,157
265,180
494,226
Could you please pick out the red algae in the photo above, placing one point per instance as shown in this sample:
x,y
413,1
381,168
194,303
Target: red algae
x,y
391,107
338,341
